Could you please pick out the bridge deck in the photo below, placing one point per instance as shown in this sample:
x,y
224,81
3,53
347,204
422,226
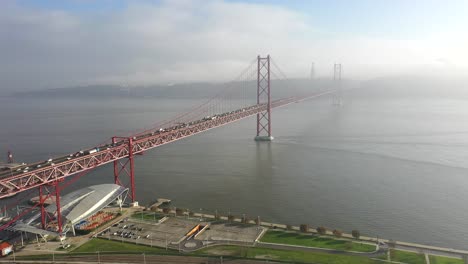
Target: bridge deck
x,y
40,173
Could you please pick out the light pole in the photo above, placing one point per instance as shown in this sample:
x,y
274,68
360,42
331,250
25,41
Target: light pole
x,y
200,214
98,257
144,258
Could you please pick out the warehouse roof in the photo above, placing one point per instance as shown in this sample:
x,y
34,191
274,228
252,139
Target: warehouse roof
x,y
82,203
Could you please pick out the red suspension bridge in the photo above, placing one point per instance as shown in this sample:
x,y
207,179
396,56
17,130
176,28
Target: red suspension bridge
x,y
229,106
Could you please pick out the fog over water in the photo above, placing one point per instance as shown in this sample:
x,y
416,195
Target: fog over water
x,y
392,161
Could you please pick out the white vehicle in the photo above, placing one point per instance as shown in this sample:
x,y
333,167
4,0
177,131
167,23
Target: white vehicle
x,y
92,151
38,166
66,246
49,160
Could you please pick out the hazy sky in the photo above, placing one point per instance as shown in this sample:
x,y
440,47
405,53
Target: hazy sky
x,y
59,43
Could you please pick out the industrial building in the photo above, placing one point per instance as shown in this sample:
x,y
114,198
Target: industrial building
x,y
76,209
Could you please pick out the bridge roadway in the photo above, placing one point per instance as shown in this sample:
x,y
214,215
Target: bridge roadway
x,y
32,175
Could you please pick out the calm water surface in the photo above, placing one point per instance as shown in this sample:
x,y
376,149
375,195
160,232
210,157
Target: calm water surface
x,y
393,168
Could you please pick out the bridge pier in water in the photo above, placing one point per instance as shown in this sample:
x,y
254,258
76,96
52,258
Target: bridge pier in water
x,y
264,96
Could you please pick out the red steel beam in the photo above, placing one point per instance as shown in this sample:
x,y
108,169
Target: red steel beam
x,y
59,210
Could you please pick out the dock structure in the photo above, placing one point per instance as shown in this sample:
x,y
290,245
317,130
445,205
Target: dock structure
x,y
159,202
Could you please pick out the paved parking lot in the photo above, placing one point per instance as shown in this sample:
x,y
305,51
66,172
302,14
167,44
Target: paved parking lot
x,y
231,232
150,233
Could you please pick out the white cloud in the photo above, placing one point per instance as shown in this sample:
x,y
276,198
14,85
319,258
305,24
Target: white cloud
x,y
178,41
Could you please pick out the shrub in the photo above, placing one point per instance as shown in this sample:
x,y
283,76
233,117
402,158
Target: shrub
x,y
304,228
321,230
356,234
337,233
289,227
245,219
231,217
180,211
257,220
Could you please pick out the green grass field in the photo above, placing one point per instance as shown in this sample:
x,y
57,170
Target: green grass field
x,y
408,257
147,216
103,245
283,255
444,260
292,238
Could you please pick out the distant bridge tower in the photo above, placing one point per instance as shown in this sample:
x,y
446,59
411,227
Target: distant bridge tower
x,y
264,96
337,96
10,157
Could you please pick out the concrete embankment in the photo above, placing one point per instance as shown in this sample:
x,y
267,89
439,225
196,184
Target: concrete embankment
x,y
408,246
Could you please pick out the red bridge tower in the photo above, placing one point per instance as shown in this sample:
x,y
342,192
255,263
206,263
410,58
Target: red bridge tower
x,y
263,96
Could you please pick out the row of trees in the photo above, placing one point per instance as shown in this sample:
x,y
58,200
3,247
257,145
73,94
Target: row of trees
x,y
321,230
217,216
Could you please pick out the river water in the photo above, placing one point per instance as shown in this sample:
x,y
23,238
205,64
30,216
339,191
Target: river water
x,y
391,167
